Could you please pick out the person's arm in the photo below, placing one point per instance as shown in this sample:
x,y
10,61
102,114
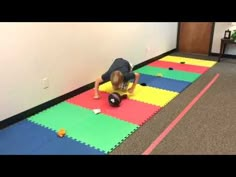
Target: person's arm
x,y
136,79
96,88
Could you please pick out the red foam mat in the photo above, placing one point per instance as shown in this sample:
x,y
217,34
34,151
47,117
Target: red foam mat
x,y
178,66
129,110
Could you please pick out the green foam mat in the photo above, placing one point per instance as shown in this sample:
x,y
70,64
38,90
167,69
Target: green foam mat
x,y
96,130
62,115
171,74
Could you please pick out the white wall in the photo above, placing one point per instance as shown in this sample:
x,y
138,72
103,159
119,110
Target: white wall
x,y
219,31
70,55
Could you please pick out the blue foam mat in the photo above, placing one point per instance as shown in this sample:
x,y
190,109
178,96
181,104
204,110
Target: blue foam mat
x,y
144,78
163,83
66,146
27,138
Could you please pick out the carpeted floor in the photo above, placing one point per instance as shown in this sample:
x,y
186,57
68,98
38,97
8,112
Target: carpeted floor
x,y
208,128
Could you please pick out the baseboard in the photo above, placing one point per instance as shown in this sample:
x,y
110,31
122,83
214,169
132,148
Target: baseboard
x,y
223,56
23,115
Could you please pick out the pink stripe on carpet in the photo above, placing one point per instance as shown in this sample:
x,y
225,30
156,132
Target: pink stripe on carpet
x,y
179,117
178,66
130,110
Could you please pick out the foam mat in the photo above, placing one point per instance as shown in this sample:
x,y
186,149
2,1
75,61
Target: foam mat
x,y
178,66
145,94
26,138
144,78
191,61
84,126
171,74
65,146
129,110
163,83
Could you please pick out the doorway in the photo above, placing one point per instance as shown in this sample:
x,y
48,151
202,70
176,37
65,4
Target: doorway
x,y
195,37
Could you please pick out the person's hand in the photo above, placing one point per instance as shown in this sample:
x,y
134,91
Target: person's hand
x,y
131,90
96,96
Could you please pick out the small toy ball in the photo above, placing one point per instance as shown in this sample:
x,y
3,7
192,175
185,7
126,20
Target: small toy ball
x,y
170,68
114,99
61,133
159,75
182,62
143,84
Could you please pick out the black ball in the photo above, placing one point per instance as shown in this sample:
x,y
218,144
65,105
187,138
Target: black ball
x,y
114,99
143,84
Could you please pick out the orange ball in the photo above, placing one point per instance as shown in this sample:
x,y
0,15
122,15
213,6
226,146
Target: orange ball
x,y
61,132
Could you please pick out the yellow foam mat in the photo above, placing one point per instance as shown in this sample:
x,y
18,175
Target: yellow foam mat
x,y
191,61
146,94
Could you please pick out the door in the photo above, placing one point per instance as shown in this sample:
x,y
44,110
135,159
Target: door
x,y
195,37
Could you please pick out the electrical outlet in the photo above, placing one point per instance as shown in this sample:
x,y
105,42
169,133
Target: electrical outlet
x,y
45,83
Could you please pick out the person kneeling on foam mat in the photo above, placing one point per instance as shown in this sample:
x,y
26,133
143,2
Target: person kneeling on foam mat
x,y
119,73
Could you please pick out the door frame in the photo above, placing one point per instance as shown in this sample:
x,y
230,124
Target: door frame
x,y
211,40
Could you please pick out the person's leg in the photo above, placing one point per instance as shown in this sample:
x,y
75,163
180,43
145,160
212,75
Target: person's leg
x,y
115,64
